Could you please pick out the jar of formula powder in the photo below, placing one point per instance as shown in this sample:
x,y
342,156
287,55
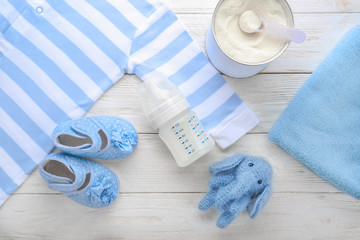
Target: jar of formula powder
x,y
234,51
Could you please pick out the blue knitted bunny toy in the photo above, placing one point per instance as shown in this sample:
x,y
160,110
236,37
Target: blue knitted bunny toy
x,y
236,183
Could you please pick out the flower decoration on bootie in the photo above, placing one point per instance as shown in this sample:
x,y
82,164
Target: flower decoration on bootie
x,y
124,140
103,191
237,183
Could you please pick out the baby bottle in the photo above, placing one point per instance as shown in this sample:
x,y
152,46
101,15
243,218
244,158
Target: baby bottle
x,y
179,128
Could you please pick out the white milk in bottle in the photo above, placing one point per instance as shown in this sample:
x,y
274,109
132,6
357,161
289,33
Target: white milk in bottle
x,y
179,128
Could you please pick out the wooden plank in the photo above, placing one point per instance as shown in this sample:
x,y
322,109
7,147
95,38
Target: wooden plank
x,y
266,94
175,216
152,169
323,31
313,6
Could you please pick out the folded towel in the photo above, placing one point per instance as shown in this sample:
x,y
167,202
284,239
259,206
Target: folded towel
x,y
321,125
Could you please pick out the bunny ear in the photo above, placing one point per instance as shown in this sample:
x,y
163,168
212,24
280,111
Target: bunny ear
x,y
257,204
227,164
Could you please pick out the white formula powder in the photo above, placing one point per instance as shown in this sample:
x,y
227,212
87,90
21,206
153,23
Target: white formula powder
x,y
250,48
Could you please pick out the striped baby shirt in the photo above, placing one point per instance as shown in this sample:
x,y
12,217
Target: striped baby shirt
x,y
58,56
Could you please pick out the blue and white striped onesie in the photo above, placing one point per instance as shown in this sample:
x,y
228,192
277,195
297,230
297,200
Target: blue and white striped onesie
x,y
58,56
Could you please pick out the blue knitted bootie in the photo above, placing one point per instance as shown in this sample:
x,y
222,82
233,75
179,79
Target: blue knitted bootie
x,y
103,137
86,182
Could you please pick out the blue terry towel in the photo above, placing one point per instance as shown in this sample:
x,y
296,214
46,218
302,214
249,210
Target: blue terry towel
x,y
321,125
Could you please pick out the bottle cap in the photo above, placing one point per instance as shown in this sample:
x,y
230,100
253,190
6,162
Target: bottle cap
x,y
161,100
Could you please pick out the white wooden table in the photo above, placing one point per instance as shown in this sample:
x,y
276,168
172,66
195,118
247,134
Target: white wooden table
x,y
159,200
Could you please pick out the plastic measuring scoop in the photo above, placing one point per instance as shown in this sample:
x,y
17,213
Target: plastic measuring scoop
x,y
250,22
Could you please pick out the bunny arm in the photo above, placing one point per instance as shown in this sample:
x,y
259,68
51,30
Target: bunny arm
x,y
214,184
208,200
234,190
234,209
221,180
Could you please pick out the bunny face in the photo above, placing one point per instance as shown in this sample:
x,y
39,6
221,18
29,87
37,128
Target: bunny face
x,y
255,173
